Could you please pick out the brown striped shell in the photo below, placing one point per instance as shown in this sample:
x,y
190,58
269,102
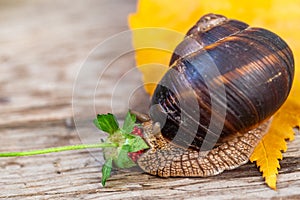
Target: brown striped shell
x,y
214,104
244,73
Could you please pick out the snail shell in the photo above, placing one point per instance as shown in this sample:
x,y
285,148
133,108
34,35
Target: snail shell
x,y
213,105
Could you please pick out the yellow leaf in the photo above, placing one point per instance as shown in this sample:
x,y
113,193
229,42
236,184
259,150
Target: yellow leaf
x,y
163,30
269,150
281,17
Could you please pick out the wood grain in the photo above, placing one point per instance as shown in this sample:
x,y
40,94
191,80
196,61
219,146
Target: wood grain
x,y
43,46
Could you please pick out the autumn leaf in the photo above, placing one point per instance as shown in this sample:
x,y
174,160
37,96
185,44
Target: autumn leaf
x,y
163,30
282,17
269,150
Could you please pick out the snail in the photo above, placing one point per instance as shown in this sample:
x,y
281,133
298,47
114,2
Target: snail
x,y
213,106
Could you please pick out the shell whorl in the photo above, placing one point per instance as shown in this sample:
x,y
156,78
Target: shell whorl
x,y
255,67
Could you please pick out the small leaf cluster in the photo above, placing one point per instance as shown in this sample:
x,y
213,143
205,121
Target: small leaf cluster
x,y
127,142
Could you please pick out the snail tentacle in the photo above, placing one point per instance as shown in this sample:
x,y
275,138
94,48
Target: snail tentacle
x,y
140,116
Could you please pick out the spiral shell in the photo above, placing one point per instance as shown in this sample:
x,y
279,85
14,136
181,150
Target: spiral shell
x,y
245,72
215,103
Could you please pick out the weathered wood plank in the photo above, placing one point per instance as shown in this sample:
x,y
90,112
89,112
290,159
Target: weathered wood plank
x,y
77,174
43,44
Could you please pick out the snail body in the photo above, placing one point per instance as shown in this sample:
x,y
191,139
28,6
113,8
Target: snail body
x,y
215,103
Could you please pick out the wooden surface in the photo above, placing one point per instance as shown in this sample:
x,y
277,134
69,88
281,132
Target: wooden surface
x,y
43,46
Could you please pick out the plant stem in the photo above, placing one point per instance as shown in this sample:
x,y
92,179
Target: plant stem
x,y
57,149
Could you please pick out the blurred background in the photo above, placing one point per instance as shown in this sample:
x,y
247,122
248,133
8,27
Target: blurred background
x,y
43,45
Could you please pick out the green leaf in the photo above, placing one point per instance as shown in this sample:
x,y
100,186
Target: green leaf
x,y
129,123
129,136
123,161
108,123
106,170
97,123
135,143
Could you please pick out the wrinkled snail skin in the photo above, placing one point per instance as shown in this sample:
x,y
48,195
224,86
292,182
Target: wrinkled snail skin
x,y
166,160
223,70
